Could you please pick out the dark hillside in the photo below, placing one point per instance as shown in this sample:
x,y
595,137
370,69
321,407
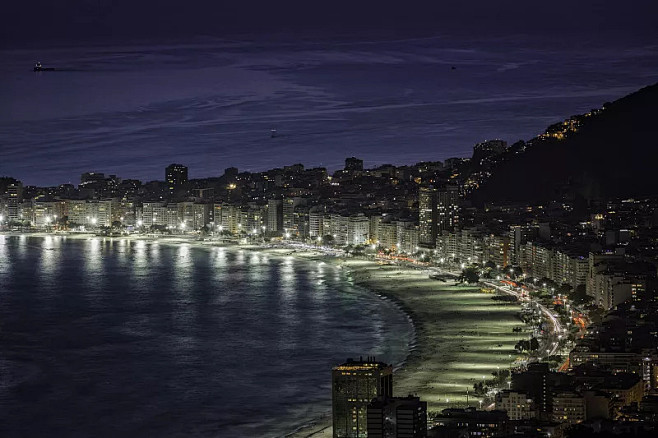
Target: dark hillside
x,y
611,153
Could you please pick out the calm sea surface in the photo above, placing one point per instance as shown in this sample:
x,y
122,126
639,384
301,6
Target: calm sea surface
x,y
104,337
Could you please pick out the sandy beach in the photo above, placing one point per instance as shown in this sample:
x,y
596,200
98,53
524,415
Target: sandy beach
x,y
462,335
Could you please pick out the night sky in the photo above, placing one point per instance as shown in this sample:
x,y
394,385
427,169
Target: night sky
x,y
202,82
43,20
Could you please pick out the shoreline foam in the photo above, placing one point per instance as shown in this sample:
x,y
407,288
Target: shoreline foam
x,y
446,357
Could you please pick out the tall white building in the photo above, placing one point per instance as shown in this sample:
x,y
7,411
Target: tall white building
x,y
358,230
316,222
338,228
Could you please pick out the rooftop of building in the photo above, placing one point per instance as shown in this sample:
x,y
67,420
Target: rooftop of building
x,y
369,363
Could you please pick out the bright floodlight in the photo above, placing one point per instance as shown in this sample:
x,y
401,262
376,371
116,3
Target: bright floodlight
x,y
220,228
2,218
139,223
287,235
93,220
254,231
182,225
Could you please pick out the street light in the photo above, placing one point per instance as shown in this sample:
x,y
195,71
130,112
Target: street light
x,y
139,223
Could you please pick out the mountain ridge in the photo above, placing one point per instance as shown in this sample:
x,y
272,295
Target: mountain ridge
x,y
608,153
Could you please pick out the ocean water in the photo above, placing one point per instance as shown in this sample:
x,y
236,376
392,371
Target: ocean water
x,y
131,109
102,337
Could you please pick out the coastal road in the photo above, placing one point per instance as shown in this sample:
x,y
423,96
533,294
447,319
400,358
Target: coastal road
x,y
556,330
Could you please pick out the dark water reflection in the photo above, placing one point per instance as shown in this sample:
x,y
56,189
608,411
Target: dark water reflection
x,y
118,338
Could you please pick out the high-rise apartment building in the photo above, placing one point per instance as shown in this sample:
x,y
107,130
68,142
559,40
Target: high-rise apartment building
x,y
176,176
427,216
316,222
358,229
289,205
274,216
354,385
15,193
447,205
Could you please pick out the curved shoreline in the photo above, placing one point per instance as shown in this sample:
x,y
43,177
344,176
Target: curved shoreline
x,y
408,311
445,355
461,336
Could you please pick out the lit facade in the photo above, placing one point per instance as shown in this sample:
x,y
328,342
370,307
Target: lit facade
x,y
354,385
569,408
176,176
427,216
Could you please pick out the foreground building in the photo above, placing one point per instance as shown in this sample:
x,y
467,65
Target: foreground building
x,y
354,385
397,417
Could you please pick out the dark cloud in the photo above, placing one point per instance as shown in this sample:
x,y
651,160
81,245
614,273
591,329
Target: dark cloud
x,y
80,19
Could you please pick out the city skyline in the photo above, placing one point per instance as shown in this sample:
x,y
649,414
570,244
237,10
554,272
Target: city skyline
x,y
209,210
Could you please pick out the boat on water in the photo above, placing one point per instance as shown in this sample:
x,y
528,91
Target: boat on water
x,y
39,67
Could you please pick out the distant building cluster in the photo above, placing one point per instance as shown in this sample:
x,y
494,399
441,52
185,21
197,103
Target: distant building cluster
x,y
605,251
600,255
